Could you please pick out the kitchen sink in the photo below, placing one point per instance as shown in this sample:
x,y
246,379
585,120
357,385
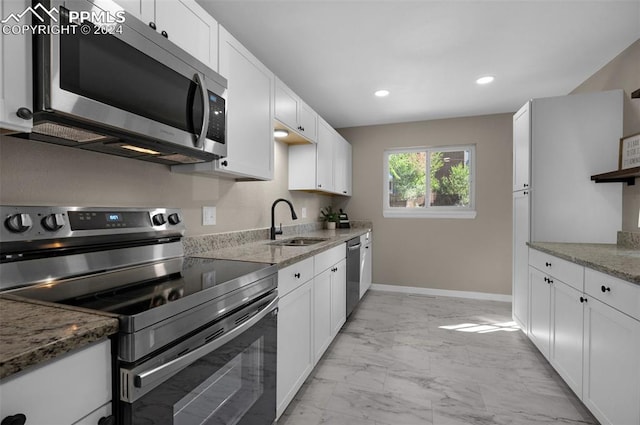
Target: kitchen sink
x,y
299,241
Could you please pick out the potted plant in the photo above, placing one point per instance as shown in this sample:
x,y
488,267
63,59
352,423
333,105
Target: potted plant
x,y
330,216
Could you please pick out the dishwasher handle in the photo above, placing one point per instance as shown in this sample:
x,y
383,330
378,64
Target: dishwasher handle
x,y
354,247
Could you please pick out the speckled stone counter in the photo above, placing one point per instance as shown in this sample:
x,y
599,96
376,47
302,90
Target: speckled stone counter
x,y
33,332
264,252
621,262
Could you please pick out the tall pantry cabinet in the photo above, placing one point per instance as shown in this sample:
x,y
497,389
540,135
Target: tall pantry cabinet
x,y
558,143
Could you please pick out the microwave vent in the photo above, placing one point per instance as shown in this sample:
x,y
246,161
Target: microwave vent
x,y
68,133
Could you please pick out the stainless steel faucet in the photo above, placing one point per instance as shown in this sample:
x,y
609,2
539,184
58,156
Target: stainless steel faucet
x,y
275,232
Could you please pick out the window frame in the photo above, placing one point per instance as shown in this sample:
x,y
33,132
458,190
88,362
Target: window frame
x,y
430,211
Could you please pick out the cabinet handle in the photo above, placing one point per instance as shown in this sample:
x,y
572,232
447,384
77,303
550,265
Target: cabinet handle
x,y
605,288
297,275
583,300
344,191
548,264
224,163
319,185
525,192
164,34
548,280
152,25
24,113
18,419
526,185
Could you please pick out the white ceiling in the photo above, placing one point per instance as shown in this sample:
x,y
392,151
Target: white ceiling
x,y
335,54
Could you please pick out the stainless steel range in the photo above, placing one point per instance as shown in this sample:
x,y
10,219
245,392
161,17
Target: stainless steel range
x,y
197,339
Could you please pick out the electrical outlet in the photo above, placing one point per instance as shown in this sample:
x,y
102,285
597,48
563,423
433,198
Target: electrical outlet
x,y
208,216
304,212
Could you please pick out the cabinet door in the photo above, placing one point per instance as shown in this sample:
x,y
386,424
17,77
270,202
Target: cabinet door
x,y
611,364
308,121
338,296
342,166
286,105
324,157
521,147
15,72
322,328
365,266
62,391
540,310
566,335
249,111
295,354
190,27
521,259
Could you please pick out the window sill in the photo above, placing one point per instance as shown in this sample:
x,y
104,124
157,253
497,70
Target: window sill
x,y
424,213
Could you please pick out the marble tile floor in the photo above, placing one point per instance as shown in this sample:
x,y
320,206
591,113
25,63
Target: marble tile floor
x,y
413,360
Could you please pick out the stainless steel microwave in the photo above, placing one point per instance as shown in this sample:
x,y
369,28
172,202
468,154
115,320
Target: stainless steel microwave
x,y
106,82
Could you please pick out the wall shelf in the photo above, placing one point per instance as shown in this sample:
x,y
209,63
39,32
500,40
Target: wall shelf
x,y
627,176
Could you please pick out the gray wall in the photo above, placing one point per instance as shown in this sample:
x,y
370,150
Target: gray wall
x,y
455,254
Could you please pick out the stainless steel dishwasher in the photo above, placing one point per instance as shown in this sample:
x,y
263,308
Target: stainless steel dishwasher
x,y
353,274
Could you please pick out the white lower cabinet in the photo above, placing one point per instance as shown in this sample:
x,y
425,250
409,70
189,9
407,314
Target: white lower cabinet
x,y
338,296
566,334
295,339
75,389
587,328
322,326
312,309
539,310
365,263
611,364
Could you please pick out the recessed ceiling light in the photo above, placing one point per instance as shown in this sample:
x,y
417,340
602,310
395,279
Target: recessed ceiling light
x,y
485,80
280,133
382,93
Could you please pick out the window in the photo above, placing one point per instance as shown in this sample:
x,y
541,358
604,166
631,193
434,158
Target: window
x,y
430,182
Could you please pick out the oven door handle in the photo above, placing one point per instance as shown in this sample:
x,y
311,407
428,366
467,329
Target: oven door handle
x,y
149,379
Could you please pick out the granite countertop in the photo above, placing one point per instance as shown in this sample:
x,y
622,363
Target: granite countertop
x,y
264,252
32,332
612,259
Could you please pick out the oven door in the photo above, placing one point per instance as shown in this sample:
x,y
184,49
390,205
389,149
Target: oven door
x,y
225,374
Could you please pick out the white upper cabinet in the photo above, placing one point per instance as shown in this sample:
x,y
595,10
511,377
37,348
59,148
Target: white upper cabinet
x,y
15,75
323,167
250,147
184,22
291,111
342,166
521,147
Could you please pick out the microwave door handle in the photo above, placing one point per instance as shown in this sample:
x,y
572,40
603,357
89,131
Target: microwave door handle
x,y
150,379
205,111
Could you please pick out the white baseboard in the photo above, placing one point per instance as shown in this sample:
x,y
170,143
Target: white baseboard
x,y
441,292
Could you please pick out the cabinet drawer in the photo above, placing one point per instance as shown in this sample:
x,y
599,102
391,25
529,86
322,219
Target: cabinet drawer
x,y
570,273
330,257
617,293
294,275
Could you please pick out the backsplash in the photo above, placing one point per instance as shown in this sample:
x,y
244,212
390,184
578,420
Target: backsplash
x,y
629,240
203,243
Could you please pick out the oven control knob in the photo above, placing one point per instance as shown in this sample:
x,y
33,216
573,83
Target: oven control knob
x,y
158,219
174,218
53,222
18,223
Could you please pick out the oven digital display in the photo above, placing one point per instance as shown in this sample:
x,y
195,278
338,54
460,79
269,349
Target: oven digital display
x,y
114,218
97,220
